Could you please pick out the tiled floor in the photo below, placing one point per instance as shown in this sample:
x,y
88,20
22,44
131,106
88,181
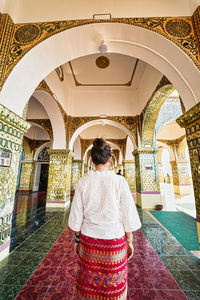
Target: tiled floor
x,y
44,265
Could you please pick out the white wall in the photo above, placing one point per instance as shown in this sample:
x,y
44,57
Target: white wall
x,y
49,10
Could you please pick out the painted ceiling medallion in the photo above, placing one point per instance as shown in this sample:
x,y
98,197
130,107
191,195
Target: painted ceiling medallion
x,y
178,28
102,62
26,34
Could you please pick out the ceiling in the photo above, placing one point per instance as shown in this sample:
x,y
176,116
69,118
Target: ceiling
x,y
107,69
103,131
171,131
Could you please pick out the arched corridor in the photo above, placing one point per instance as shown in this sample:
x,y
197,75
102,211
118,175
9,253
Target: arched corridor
x,y
130,76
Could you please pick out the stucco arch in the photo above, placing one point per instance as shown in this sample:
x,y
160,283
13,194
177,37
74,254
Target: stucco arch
x,y
96,122
152,112
79,41
55,117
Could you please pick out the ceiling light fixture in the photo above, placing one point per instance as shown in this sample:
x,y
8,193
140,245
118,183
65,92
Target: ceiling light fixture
x,y
103,48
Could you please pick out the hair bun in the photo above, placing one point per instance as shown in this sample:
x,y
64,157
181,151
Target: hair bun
x,y
99,144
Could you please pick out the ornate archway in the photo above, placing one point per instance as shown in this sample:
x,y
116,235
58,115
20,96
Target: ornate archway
x,y
30,63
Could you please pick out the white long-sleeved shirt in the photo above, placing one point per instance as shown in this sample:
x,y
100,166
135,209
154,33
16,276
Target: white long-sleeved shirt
x,y
103,206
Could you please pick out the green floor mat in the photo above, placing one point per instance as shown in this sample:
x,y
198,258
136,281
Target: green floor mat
x,y
181,225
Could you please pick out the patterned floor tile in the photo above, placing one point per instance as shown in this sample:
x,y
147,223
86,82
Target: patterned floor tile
x,y
9,292
142,294
174,262
64,277
171,295
33,259
32,293
52,260
60,293
42,277
19,275
186,279
162,279
192,295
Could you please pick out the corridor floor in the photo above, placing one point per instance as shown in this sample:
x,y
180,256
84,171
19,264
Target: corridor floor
x,y
43,264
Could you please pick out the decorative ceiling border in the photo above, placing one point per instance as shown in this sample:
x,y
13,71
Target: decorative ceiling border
x,y
129,83
180,30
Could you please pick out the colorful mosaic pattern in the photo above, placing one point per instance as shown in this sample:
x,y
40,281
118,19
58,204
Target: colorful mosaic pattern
x,y
12,128
146,166
152,112
59,179
27,176
102,269
23,37
191,121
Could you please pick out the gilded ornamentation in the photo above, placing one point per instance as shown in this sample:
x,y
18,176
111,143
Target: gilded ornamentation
x,y
178,28
196,25
77,172
76,122
44,86
59,179
27,176
12,128
27,33
102,62
180,175
22,38
191,121
44,155
129,173
152,111
146,167
116,155
6,35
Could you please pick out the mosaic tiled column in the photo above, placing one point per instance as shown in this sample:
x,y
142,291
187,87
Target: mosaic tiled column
x,y
27,176
59,180
181,179
77,172
129,173
147,178
191,122
12,128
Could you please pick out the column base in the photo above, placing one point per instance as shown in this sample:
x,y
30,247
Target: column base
x,y
4,249
148,199
183,189
57,206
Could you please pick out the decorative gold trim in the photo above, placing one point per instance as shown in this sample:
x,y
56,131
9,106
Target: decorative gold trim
x,y
172,142
152,112
129,83
179,30
190,116
60,73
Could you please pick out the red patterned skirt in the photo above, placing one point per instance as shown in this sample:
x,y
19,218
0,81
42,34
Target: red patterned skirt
x,y
102,269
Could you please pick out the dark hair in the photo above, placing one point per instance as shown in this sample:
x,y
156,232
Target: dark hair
x,y
101,152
